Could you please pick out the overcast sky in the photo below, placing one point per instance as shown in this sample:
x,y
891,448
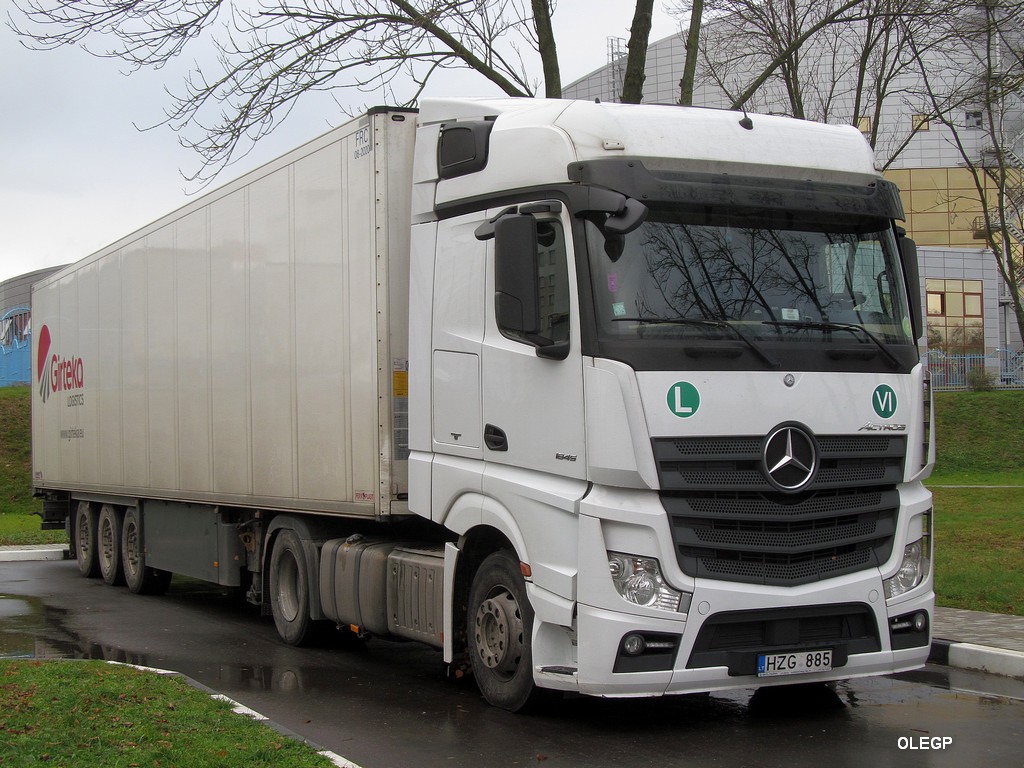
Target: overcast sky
x,y
77,175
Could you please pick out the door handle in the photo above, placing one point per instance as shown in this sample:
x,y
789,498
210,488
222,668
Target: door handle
x,y
494,438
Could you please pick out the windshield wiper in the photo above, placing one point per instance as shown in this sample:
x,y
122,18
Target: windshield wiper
x,y
824,325
708,323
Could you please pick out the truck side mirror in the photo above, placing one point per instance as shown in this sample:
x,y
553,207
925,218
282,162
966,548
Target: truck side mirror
x,y
912,276
516,286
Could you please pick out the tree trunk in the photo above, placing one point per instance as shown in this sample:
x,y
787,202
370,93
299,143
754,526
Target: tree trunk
x,y
546,45
692,44
636,62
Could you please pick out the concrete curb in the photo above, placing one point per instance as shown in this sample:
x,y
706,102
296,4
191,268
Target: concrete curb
x,y
27,552
981,658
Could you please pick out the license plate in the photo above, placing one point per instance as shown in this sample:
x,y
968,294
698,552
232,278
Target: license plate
x,y
773,664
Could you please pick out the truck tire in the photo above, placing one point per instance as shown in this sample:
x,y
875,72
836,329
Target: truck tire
x,y
108,544
498,627
289,589
85,540
141,579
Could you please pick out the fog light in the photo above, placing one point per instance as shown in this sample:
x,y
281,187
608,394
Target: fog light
x,y
633,645
639,580
920,621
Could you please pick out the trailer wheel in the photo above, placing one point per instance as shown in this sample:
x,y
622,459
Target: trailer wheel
x,y
499,625
289,589
85,540
108,544
141,579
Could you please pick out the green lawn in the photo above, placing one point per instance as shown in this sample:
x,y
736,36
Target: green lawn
x,y
980,438
90,714
979,536
19,523
979,549
16,452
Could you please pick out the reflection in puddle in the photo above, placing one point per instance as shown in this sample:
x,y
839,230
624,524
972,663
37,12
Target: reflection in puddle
x,y
30,629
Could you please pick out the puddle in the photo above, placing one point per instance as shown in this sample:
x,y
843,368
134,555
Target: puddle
x,y
14,606
20,621
29,629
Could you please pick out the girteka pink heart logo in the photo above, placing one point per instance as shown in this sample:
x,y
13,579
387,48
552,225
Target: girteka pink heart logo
x,y
44,350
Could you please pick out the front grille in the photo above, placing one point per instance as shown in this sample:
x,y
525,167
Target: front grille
x,y
734,463
730,523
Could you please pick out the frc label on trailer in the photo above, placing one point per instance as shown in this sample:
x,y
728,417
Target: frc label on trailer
x,y
57,373
683,399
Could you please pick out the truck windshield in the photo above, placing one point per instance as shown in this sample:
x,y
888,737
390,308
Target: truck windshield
x,y
761,282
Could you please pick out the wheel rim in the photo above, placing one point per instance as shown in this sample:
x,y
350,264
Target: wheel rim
x,y
288,587
131,541
84,535
499,633
107,543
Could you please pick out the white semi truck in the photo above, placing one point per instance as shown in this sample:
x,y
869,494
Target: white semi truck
x,y
620,400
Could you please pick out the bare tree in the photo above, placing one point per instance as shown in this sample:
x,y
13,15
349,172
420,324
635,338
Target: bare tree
x,y
749,44
833,61
977,85
271,52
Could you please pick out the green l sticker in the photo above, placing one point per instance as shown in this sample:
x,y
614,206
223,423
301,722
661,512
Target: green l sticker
x,y
683,399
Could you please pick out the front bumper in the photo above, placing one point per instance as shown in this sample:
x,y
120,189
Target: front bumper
x,y
847,615
600,650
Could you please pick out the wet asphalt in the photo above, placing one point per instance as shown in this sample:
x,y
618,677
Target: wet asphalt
x,y
385,704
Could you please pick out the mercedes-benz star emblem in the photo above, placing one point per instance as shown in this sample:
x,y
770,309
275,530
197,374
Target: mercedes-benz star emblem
x,y
790,458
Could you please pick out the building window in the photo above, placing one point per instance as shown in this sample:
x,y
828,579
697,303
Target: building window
x,y
920,122
864,124
956,322
973,119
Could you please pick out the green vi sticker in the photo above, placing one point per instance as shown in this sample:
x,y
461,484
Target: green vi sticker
x,y
884,401
683,399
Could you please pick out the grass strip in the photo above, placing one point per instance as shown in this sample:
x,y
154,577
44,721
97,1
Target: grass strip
x,y
89,713
979,549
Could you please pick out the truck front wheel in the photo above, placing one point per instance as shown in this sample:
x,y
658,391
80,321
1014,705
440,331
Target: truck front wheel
x,y
289,589
499,626
85,540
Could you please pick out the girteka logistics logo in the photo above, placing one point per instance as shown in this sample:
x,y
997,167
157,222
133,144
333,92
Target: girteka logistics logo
x,y
56,373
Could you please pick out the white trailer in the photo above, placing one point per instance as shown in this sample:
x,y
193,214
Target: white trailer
x,y
622,400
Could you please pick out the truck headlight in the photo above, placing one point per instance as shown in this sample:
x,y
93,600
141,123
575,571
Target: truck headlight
x,y
916,563
639,580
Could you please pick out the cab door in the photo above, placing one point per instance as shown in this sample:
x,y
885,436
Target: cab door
x,y
532,399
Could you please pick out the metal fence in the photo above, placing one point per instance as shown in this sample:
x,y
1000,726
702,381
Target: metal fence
x,y
1001,369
